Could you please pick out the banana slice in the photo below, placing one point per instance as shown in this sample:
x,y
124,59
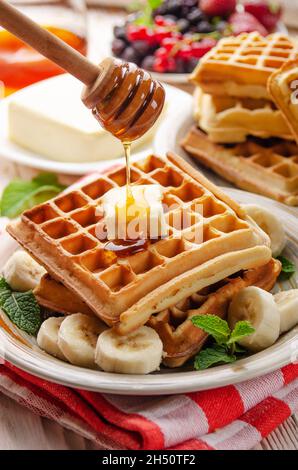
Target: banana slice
x,y
22,272
77,339
47,338
271,225
259,308
139,352
287,303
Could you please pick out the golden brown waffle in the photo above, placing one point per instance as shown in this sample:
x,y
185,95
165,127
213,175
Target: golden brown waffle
x,y
283,87
55,296
270,171
240,66
231,120
181,339
60,234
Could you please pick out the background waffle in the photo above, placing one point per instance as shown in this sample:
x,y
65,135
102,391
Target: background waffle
x,y
270,171
232,120
241,66
181,339
283,87
60,234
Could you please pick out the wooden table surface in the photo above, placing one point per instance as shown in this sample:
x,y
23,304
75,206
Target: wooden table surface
x,y
21,429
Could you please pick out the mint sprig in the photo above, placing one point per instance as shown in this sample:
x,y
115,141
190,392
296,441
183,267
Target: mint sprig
x,y
145,17
20,195
225,349
21,307
287,268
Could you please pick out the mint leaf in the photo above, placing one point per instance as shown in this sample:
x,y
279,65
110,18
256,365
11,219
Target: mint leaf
x,y
155,3
241,330
288,268
211,356
214,326
239,349
21,307
21,195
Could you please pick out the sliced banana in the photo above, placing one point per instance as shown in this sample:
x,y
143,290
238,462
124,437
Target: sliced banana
x,y
47,338
139,352
259,308
77,339
287,303
22,272
270,224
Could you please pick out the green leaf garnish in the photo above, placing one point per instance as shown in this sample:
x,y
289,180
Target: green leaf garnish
x,y
20,195
241,330
214,326
287,268
225,348
21,307
213,356
145,17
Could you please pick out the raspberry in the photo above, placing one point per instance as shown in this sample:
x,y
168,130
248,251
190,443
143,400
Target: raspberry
x,y
218,7
199,49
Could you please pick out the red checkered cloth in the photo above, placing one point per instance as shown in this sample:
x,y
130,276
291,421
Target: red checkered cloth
x,y
234,417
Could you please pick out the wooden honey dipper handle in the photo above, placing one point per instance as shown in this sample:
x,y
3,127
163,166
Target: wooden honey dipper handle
x,y
48,44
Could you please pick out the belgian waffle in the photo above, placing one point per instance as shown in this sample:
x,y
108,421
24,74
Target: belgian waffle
x,y
60,234
270,171
181,339
54,296
232,120
240,66
283,87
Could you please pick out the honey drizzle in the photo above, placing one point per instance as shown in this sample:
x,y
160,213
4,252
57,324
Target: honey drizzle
x,y
126,133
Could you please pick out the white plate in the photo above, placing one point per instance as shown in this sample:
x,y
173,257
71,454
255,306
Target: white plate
x,y
13,152
168,381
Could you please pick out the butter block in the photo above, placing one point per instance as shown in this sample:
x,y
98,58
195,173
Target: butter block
x,y
137,210
50,120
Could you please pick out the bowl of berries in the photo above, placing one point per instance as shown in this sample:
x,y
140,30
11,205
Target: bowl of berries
x,y
169,37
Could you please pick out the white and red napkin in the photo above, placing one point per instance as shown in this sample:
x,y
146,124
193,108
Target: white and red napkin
x,y
236,417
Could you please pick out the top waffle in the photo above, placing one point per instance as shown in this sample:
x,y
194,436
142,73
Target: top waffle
x,y
60,234
283,86
240,66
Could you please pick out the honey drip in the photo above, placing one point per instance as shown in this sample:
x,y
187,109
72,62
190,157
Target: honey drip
x,y
129,102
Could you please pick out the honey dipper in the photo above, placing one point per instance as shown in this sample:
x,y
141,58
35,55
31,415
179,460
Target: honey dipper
x,y
124,98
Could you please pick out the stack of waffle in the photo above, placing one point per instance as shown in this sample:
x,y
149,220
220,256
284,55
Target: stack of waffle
x,y
237,101
198,268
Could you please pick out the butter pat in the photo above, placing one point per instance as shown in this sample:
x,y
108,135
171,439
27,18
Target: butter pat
x,y
134,212
49,119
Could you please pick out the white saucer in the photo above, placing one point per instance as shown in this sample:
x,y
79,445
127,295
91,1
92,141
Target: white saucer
x,y
14,153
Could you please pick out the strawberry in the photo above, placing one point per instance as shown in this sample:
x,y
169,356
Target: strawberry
x,y
218,7
268,12
246,23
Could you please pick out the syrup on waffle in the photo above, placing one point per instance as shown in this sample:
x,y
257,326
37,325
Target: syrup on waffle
x,y
240,66
232,120
283,87
61,235
271,171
